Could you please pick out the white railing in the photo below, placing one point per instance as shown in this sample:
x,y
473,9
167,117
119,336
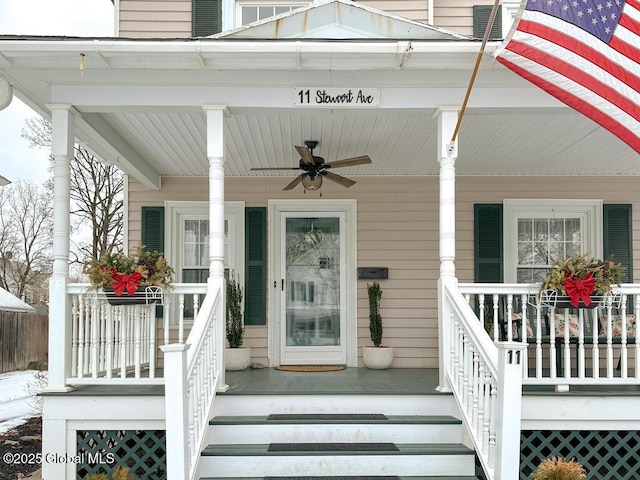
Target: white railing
x,y
564,346
118,343
486,381
192,373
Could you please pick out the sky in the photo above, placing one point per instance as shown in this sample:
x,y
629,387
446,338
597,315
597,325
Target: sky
x,y
93,18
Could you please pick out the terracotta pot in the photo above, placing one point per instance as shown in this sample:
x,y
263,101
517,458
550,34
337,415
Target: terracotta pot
x,y
377,358
236,359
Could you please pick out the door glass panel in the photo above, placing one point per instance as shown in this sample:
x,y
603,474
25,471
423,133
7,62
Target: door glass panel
x,y
313,281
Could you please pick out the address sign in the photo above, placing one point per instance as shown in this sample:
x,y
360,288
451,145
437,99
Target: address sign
x,y
336,97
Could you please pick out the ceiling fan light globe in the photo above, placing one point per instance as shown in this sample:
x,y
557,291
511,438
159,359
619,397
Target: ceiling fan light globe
x,y
312,184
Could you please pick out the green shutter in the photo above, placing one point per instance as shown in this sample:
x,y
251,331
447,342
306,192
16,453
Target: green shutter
x,y
256,266
206,17
481,14
488,258
618,238
152,236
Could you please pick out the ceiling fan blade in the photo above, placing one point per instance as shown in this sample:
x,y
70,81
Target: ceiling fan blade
x,y
305,154
349,162
291,185
275,168
344,181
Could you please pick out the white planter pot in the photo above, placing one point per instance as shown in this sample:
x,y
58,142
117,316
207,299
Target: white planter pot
x,y
237,358
377,358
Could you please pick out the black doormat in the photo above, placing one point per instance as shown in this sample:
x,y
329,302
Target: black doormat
x,y
335,478
327,416
332,447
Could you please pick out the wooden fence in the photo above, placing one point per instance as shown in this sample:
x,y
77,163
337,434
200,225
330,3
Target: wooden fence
x,y
23,339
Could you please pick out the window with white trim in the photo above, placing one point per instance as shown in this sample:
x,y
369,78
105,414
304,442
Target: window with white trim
x,y
249,12
537,232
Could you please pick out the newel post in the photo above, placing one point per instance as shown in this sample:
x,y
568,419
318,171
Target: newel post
x,y
176,410
508,412
447,154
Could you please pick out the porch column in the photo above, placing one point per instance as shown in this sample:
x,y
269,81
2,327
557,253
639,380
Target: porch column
x,y
215,153
447,154
62,143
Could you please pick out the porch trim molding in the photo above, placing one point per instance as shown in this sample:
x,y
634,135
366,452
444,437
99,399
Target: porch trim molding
x,y
349,207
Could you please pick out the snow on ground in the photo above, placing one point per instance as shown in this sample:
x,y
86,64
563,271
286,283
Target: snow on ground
x,y
16,402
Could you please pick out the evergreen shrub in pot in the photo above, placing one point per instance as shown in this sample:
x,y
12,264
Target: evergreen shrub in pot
x,y
378,357
235,357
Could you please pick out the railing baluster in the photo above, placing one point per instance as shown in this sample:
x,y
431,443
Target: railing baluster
x,y
624,367
109,347
609,342
636,311
76,305
581,355
181,319
539,364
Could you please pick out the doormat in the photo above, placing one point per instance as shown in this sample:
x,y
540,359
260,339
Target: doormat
x,y
332,447
327,416
310,368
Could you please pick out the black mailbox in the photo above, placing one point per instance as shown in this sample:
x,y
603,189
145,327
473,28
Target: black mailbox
x,y
373,273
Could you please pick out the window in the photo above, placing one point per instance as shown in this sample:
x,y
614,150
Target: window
x,y
536,232
188,242
252,12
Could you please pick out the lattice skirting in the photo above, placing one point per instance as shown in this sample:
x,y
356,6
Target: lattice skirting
x,y
143,452
605,454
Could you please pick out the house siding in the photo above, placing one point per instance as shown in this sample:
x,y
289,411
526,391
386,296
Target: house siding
x,y
397,228
155,18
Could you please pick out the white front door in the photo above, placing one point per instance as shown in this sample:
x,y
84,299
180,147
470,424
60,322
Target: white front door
x,y
313,281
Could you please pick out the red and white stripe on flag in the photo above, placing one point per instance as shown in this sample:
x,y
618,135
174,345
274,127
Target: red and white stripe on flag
x,y
586,53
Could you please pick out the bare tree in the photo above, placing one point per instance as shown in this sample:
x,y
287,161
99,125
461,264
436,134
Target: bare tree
x,y
26,236
96,196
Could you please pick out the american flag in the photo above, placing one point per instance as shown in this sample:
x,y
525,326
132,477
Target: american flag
x,y
586,53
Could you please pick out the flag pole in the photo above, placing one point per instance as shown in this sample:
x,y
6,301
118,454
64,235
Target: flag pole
x,y
485,39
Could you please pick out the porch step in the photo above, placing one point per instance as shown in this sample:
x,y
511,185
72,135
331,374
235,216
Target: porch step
x,y
344,433
342,477
332,428
408,460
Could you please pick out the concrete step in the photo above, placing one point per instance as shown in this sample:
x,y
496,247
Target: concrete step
x,y
411,459
323,428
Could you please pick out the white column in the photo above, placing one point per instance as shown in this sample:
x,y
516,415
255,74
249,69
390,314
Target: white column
x,y
447,154
62,144
215,153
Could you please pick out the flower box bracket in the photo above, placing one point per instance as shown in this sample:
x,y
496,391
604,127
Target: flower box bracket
x,y
551,299
144,295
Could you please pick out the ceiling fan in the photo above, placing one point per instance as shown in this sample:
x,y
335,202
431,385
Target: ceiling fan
x,y
314,168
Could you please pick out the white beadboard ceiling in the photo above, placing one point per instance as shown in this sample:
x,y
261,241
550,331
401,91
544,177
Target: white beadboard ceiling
x,y
490,143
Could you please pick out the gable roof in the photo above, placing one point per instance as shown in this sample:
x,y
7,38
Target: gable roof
x,y
339,19
11,303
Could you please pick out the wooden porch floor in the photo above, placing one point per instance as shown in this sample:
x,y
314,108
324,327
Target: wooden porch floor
x,y
361,381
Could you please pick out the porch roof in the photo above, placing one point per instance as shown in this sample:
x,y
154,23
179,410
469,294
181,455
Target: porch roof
x,y
139,103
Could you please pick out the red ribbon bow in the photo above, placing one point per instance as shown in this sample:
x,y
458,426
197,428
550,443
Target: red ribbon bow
x,y
126,282
580,289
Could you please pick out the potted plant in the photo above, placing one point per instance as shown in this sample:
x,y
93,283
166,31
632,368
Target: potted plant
x,y
235,358
558,469
125,278
576,279
379,356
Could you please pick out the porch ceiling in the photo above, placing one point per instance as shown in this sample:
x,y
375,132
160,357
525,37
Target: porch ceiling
x,y
490,143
